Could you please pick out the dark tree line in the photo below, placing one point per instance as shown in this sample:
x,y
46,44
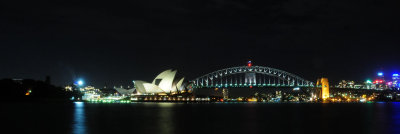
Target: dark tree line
x,y
28,89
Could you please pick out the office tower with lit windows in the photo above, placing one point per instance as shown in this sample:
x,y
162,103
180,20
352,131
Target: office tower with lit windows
x,y
380,82
395,80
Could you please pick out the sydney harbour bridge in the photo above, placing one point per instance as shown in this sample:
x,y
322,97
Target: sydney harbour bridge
x,y
250,76
253,79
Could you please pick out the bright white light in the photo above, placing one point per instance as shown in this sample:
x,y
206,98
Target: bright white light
x,y
80,82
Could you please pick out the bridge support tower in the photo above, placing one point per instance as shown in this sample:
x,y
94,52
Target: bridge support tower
x,y
323,82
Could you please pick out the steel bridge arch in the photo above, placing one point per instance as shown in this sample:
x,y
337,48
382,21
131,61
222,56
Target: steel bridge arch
x,y
294,80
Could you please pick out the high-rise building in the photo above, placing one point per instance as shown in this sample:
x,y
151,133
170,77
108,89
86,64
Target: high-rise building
x,y
380,82
395,80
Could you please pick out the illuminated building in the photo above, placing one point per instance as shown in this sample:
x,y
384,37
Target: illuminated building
x,y
68,88
396,80
380,82
90,92
278,94
89,96
358,86
346,84
225,93
162,84
325,88
123,91
89,88
368,85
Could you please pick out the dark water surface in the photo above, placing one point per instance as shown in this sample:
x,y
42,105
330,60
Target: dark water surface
x,y
218,118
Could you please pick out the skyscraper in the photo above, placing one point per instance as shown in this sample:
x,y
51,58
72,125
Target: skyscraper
x,y
395,80
380,82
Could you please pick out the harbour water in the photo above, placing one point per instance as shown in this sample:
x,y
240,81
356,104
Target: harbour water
x,y
205,118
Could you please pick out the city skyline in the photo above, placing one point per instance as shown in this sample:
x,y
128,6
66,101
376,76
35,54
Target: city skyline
x,y
126,82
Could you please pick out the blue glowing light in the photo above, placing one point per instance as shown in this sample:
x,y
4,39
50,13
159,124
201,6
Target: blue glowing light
x,y
79,126
395,74
80,82
380,74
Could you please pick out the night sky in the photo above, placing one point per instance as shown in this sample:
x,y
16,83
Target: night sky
x,y
112,43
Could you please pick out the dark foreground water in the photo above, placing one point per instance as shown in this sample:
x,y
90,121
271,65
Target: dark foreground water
x,y
219,118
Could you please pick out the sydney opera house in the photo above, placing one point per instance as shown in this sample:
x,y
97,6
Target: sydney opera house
x,y
164,83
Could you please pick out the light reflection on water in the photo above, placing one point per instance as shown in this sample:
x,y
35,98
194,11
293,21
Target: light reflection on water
x,y
166,118
79,124
396,117
166,105
174,118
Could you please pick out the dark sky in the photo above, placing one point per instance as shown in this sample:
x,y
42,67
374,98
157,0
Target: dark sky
x,y
114,43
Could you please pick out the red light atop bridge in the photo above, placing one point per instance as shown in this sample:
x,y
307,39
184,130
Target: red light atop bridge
x,y
249,64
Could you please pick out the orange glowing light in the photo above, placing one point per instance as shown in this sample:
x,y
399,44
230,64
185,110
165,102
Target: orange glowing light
x,y
252,100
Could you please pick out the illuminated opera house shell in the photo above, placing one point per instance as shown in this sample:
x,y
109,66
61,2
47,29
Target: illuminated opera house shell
x,y
125,91
163,83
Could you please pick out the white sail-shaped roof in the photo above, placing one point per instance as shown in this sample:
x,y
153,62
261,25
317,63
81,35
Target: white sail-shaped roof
x,y
139,86
179,84
125,91
151,88
166,82
161,76
163,83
